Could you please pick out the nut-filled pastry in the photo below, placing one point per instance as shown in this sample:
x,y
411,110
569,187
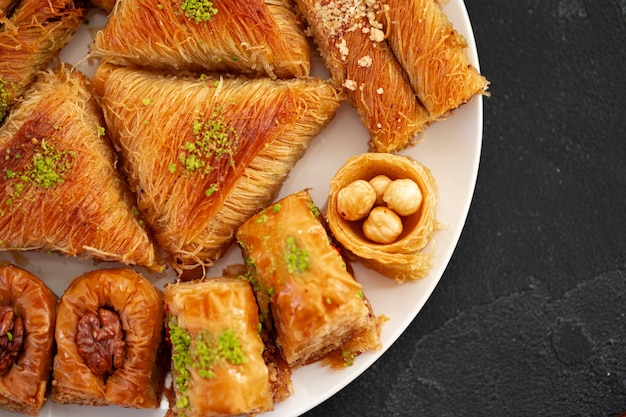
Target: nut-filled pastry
x,y
27,317
204,154
60,189
353,47
433,54
108,334
255,37
218,355
300,278
381,209
29,39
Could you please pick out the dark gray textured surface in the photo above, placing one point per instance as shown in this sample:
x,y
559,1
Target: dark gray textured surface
x,y
529,317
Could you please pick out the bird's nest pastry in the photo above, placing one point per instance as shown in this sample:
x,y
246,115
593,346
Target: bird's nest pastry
x,y
381,209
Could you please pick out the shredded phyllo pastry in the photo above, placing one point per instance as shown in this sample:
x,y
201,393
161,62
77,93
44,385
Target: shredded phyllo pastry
x,y
60,188
204,154
29,39
254,37
433,54
402,257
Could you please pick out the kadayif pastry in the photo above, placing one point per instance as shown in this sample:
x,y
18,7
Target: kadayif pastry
x,y
404,257
302,281
27,315
255,37
433,54
218,364
108,332
29,39
60,189
204,154
353,46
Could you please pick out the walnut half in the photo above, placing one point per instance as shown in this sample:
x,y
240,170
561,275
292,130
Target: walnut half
x,y
11,337
100,341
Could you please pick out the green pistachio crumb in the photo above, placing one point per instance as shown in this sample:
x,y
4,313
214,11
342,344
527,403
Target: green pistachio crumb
x,y
198,10
297,258
4,99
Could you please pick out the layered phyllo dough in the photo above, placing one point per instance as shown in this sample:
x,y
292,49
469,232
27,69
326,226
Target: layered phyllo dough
x,y
303,284
218,356
27,318
109,338
30,38
256,37
60,189
204,154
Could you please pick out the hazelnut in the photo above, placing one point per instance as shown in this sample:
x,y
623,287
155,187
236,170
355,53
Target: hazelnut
x,y
380,182
382,225
355,200
403,196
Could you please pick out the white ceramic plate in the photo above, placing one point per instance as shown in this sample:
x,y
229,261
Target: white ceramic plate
x,y
451,149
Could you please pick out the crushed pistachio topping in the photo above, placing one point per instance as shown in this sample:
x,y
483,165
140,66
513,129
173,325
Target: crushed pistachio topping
x,y
313,208
297,258
348,357
181,360
213,138
47,169
4,100
198,10
202,353
276,207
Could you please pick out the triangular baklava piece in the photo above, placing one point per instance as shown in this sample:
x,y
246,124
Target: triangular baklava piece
x,y
30,38
250,37
59,186
433,54
204,154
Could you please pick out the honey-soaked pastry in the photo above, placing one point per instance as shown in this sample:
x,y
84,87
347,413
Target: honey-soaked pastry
x,y
256,37
60,189
6,7
27,316
433,54
108,334
391,235
204,154
303,282
218,364
29,39
354,49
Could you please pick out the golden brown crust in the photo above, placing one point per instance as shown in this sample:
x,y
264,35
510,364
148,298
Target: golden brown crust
x,y
139,382
316,304
265,126
367,69
32,36
60,187
252,37
207,310
23,387
433,54
403,259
